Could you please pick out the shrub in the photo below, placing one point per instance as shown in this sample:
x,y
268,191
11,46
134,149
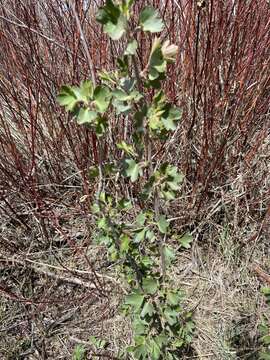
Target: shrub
x,y
132,223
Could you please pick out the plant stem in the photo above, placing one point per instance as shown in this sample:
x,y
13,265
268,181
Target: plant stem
x,y
93,78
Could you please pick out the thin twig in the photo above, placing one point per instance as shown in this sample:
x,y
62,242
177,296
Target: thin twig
x,y
24,26
70,280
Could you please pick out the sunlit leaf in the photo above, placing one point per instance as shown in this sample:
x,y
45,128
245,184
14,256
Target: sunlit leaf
x,y
150,285
140,235
186,240
169,254
150,20
173,298
124,243
171,315
86,116
128,149
134,300
113,20
102,96
163,224
116,31
154,349
131,48
148,309
133,169
87,89
67,98
140,219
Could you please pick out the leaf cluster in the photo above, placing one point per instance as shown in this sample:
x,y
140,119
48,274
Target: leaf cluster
x,y
140,242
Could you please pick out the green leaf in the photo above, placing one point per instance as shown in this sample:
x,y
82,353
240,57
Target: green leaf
x,y
178,343
79,353
150,235
266,339
93,172
169,123
98,343
140,235
173,298
95,208
175,113
170,117
135,300
116,31
123,65
171,315
140,352
162,340
87,90
123,96
124,243
121,107
86,116
140,219
109,12
113,20
163,224
150,285
120,95
131,48
109,76
102,96
126,5
139,326
169,254
67,98
265,291
133,169
103,223
168,195
101,125
150,20
157,63
186,240
147,262
128,149
125,204
154,349
264,356
127,84
148,309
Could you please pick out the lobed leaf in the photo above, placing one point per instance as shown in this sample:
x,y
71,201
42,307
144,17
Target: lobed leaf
x,y
133,169
113,20
150,20
150,285
86,116
102,97
163,224
131,48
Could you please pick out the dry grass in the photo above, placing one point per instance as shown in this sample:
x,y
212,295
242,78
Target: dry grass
x,y
57,288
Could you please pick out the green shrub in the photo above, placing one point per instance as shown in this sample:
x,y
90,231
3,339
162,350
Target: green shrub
x,y
139,239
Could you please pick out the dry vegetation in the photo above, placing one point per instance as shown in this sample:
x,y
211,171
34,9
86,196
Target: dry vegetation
x,y
56,287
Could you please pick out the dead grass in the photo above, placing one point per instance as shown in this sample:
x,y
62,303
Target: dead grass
x,y
57,288
52,301
228,307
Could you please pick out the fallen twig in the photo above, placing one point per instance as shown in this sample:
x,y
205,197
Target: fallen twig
x,y
261,274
